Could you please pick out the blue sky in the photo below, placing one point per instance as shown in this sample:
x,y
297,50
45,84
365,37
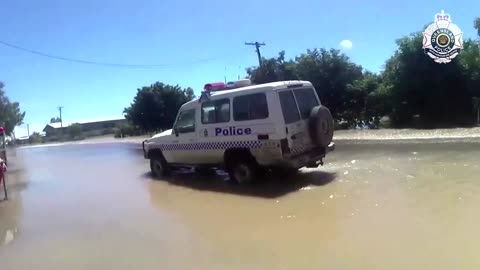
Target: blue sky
x,y
195,40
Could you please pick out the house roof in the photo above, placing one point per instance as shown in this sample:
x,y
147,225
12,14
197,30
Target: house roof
x,y
55,125
28,137
59,125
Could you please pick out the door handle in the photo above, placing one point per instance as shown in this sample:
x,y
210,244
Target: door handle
x,y
262,136
175,141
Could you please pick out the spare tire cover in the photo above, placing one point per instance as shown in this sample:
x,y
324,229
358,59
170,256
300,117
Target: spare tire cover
x,y
321,126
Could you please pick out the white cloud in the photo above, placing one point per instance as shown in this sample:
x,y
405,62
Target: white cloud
x,y
346,44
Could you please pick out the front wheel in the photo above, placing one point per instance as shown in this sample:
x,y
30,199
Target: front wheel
x,y
159,167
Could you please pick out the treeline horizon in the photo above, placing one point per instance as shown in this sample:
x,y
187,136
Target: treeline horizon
x,y
412,90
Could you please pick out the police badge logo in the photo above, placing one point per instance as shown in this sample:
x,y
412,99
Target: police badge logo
x,y
442,40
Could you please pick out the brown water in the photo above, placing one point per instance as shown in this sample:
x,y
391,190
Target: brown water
x,y
372,206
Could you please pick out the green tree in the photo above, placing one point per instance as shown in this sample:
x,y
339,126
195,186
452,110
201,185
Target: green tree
x,y
74,130
155,107
476,25
366,101
435,95
330,71
476,106
471,57
55,120
10,113
35,137
273,69
126,129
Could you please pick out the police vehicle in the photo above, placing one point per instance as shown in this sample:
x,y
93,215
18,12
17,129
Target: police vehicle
x,y
246,129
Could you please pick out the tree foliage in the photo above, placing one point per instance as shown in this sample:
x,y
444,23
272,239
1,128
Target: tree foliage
x,y
155,107
35,138
366,101
476,25
273,69
412,90
331,72
10,113
426,93
55,120
74,130
126,129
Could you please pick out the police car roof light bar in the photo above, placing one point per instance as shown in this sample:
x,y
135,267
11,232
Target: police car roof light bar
x,y
219,86
214,86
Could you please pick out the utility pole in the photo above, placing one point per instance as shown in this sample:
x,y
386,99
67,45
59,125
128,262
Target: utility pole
x,y
61,122
257,47
225,75
28,130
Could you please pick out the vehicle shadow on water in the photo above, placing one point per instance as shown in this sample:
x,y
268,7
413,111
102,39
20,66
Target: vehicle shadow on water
x,y
272,186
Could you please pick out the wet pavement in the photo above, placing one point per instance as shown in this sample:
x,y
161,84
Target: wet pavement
x,y
401,205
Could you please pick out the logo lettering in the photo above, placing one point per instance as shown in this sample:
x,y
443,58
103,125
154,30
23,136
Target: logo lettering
x,y
232,131
442,40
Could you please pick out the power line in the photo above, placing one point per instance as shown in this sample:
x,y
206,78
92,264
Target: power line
x,y
99,63
257,46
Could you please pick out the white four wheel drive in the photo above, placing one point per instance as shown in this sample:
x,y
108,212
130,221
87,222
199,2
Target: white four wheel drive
x,y
245,129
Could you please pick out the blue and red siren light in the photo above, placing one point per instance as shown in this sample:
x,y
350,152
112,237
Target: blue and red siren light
x,y
219,86
214,86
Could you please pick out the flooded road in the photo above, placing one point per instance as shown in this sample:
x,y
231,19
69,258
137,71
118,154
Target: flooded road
x,y
410,205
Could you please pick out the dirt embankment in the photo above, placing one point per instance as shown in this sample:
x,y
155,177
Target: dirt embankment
x,y
92,140
409,134
378,135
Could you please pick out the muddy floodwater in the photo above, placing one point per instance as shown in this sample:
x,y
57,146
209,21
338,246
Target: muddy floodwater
x,y
392,205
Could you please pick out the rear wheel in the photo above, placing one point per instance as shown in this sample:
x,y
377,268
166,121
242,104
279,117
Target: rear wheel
x,y
244,169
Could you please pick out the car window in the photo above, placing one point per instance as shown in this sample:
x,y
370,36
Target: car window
x,y
289,107
186,121
306,100
250,107
217,111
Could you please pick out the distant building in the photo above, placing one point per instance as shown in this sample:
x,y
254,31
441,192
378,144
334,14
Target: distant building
x,y
22,140
93,128
25,140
